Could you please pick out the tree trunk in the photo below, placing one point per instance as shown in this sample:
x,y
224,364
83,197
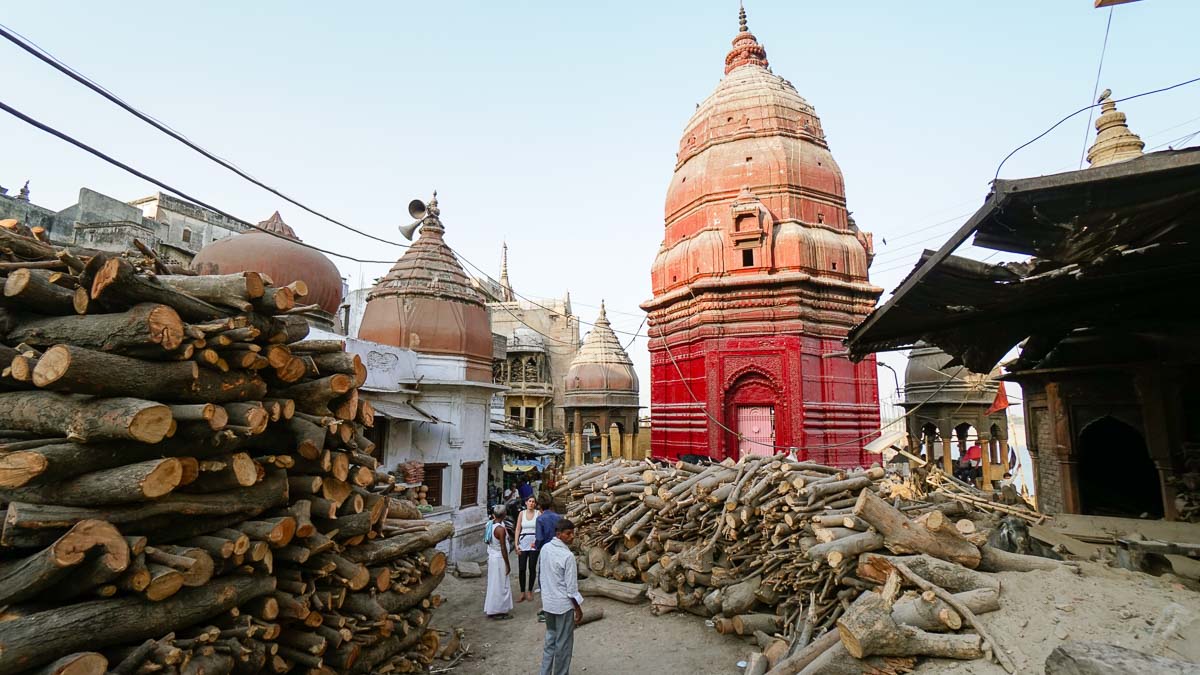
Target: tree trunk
x,y
834,552
1098,658
117,281
34,640
927,612
383,550
997,560
614,590
952,577
142,327
231,290
868,629
26,578
740,597
124,484
313,396
32,290
216,387
902,535
84,419
85,371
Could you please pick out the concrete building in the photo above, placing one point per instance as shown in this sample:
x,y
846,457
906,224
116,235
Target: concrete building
x,y
175,229
427,343
761,274
1102,313
601,399
543,340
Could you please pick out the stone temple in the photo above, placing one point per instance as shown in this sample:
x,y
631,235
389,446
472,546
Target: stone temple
x,y
761,274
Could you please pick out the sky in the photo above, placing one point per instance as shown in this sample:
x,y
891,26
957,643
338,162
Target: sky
x,y
554,126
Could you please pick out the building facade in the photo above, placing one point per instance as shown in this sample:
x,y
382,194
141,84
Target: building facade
x,y
176,230
761,274
601,401
543,340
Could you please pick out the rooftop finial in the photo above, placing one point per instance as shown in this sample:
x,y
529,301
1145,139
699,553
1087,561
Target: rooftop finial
x,y
23,195
433,206
1114,141
742,27
746,50
603,313
505,285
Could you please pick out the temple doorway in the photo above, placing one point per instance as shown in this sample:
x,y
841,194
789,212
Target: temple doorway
x,y
1116,475
756,429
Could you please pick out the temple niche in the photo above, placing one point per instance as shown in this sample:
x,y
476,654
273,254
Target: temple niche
x,y
761,274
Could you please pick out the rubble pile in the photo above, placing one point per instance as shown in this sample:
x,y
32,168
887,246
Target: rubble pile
x,y
186,480
822,567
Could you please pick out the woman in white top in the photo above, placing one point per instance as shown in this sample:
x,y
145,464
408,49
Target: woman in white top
x,y
498,601
526,544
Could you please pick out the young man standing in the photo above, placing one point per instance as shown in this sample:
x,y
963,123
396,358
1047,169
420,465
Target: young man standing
x,y
546,528
561,600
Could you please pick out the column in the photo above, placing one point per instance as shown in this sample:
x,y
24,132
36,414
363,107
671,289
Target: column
x,y
1002,443
577,437
537,417
947,461
985,461
627,449
1064,448
605,432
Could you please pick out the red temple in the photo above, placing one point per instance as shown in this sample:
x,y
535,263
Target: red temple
x,y
761,274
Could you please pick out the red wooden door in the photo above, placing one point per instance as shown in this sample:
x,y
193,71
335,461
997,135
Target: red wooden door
x,y
756,429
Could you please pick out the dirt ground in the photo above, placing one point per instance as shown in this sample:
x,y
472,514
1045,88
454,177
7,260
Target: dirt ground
x,y
1038,611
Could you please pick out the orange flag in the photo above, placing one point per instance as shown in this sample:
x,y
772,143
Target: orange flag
x,y
1001,401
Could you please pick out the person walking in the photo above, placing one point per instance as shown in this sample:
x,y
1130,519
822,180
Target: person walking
x,y
498,602
546,524
526,544
561,600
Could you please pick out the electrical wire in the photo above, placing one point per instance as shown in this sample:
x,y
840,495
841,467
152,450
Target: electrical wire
x,y
70,72
1085,109
150,179
1087,130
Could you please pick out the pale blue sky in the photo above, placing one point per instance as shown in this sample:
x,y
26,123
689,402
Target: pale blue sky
x,y
555,125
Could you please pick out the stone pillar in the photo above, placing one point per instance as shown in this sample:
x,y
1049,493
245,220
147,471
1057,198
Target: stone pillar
x,y
521,415
628,447
605,432
947,461
985,461
537,417
1002,447
577,436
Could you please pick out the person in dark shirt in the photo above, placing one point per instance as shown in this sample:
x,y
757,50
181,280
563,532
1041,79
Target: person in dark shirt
x,y
547,525
526,490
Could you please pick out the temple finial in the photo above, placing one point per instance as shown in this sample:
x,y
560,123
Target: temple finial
x,y
433,206
23,195
742,27
1115,142
505,285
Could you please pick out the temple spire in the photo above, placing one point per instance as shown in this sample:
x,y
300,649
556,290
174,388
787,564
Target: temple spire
x,y
746,50
742,27
1114,140
506,287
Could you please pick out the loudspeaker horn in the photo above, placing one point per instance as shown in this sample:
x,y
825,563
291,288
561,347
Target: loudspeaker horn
x,y
416,209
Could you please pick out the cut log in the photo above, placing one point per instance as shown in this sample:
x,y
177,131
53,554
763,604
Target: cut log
x,y
84,419
740,597
1098,658
997,560
122,485
806,655
614,590
225,472
33,290
87,371
868,629
902,535
34,640
382,550
927,612
83,663
117,280
24,579
143,326
231,290
952,577
747,624
834,552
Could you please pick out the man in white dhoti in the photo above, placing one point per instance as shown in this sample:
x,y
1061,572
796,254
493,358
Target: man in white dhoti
x,y
498,601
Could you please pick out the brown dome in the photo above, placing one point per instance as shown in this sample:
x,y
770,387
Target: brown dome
x,y
426,303
602,373
282,260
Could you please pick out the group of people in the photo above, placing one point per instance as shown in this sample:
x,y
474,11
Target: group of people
x,y
541,539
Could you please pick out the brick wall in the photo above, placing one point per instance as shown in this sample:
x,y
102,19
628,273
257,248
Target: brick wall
x,y
1049,480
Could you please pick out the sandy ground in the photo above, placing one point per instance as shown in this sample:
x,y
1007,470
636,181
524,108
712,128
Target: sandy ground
x,y
629,639
1038,611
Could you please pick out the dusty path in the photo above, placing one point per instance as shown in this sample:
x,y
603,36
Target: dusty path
x,y
629,639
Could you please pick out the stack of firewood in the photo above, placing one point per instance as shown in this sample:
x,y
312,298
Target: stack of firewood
x,y
186,481
782,552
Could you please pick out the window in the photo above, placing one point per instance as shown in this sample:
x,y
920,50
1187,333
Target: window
x,y
470,484
433,483
187,234
747,258
377,435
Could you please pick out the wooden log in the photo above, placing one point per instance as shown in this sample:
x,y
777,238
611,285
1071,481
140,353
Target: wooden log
x,y
215,387
834,552
615,590
902,535
382,550
314,396
996,560
34,640
125,484
231,290
277,532
82,663
194,564
950,576
225,472
868,629
927,612
747,624
138,329
32,290
799,661
740,597
117,281
25,578
84,419
1098,658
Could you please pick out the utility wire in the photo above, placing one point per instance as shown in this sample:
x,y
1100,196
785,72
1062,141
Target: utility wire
x,y
1087,130
63,68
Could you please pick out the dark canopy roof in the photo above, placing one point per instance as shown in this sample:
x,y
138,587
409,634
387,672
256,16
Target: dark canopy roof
x,y
1111,246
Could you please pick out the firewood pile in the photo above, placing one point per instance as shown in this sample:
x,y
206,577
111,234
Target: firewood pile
x,y
794,556
186,482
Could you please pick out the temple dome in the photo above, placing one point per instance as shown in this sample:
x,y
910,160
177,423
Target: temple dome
x,y
427,304
927,379
281,257
601,373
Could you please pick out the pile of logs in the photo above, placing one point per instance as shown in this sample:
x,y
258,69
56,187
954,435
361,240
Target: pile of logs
x,y
785,553
186,482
